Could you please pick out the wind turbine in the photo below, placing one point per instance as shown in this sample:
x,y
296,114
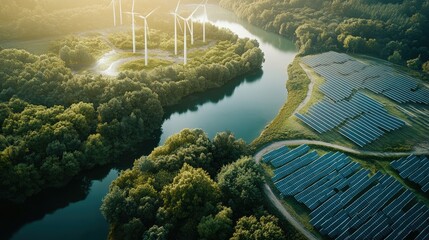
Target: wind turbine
x,y
120,10
114,12
204,19
176,14
192,24
186,26
132,13
146,30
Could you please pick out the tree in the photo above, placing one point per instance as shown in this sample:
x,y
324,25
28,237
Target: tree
x,y
240,183
217,227
252,228
415,63
227,149
113,207
191,146
191,192
425,67
395,58
156,233
355,44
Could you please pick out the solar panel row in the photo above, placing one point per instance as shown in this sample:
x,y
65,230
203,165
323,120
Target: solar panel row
x,y
415,169
346,202
364,119
343,75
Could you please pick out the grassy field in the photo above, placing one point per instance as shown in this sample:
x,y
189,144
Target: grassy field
x,y
286,126
138,65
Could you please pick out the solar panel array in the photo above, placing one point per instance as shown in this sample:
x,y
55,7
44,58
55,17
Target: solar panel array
x,y
344,74
345,201
364,120
415,169
418,115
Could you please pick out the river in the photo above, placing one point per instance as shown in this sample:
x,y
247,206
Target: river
x,y
243,106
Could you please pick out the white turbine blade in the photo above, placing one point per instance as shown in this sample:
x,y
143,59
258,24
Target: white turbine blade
x,y
180,25
192,14
187,25
151,12
177,7
184,19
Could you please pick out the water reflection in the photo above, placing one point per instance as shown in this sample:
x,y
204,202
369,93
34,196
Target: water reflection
x,y
191,103
45,204
244,106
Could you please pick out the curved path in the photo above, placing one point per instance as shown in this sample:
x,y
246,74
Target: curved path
x,y
276,202
309,91
340,148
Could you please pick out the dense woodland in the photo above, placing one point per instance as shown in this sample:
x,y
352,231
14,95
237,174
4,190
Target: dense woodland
x,y
192,187
55,123
396,30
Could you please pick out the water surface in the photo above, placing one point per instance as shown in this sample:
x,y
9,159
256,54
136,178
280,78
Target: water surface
x,y
243,106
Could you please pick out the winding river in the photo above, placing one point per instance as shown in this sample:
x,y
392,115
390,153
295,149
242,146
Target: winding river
x,y
243,106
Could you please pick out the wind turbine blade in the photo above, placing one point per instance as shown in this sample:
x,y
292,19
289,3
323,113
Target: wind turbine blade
x,y
177,7
151,12
180,25
189,27
184,19
192,14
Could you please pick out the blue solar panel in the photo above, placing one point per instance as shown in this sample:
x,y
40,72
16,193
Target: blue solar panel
x,y
274,153
415,169
424,235
344,77
345,202
291,155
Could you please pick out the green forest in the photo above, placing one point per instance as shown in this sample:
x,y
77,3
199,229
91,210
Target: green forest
x,y
60,118
395,30
192,187
56,123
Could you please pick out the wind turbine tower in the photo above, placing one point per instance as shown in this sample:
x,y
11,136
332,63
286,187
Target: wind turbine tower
x,y
114,12
204,20
146,32
176,14
132,13
120,10
187,26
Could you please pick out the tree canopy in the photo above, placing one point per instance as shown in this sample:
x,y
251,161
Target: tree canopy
x,y
386,29
56,123
171,195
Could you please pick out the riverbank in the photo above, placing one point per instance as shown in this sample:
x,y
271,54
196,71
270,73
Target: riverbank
x,y
253,100
297,86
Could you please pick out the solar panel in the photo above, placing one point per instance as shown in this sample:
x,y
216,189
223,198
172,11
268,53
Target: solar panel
x,y
344,77
345,202
415,169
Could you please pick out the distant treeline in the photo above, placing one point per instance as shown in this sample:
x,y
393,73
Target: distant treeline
x,y
29,19
192,187
54,123
396,30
